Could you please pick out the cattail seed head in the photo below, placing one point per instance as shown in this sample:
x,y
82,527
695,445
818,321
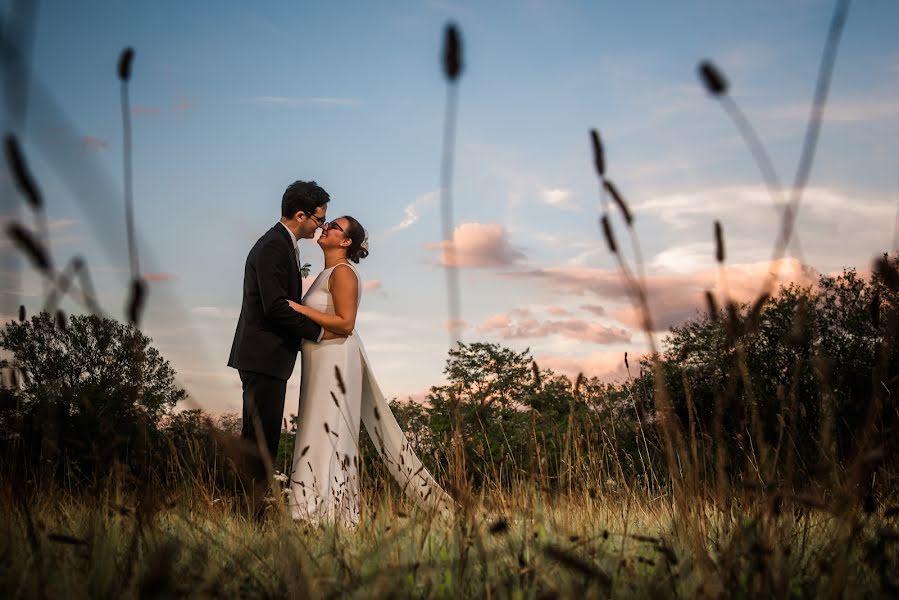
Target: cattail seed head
x,y
21,313
61,320
536,371
733,318
578,382
339,378
711,306
719,242
334,398
28,244
619,200
887,273
19,169
452,52
875,310
712,78
125,60
757,307
626,365
607,232
499,526
136,300
599,157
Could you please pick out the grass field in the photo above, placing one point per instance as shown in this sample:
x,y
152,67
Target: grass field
x,y
523,543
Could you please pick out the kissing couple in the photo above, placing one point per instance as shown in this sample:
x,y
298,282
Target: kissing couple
x,y
338,390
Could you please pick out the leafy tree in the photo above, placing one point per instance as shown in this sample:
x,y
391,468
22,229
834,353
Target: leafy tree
x,y
93,389
803,380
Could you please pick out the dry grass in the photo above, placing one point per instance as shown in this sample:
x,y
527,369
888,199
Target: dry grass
x,y
522,543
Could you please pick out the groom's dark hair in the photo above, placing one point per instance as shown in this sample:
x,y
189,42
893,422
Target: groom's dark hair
x,y
302,196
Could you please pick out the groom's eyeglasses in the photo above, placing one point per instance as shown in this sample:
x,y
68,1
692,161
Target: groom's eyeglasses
x,y
333,225
320,221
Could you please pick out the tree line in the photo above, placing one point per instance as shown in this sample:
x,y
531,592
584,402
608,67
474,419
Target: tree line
x,y
782,390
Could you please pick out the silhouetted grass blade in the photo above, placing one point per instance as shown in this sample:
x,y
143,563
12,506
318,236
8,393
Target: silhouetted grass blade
x,y
21,174
713,80
64,538
452,52
27,243
577,564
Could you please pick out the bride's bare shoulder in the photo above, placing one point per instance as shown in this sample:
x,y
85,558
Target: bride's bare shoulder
x,y
344,277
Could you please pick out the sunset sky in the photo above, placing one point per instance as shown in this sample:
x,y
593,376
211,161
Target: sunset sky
x,y
232,101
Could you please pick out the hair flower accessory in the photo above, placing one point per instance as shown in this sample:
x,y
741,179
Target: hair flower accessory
x,y
364,244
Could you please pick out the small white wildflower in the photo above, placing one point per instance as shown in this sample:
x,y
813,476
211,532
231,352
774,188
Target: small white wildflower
x,y
279,476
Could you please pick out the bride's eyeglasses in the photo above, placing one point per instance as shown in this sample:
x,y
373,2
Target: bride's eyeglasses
x,y
333,225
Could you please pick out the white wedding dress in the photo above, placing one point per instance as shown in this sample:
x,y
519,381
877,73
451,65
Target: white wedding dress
x,y
338,391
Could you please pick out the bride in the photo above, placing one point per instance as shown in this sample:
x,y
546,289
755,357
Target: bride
x,y
338,391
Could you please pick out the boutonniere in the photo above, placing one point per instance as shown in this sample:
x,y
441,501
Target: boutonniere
x,y
304,270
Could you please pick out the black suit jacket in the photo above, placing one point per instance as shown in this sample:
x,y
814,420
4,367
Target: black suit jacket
x,y
268,332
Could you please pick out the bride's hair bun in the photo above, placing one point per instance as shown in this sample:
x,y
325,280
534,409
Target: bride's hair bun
x,y
358,249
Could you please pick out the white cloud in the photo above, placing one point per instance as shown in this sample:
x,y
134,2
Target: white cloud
x,y
558,197
411,213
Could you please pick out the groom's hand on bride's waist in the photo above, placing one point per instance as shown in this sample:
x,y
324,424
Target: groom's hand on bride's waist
x,y
329,335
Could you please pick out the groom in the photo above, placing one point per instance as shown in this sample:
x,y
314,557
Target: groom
x,y
269,332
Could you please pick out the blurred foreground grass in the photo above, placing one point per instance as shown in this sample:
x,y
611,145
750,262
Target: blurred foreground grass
x,y
521,544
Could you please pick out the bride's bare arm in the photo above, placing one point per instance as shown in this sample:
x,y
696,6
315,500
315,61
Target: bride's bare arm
x,y
344,286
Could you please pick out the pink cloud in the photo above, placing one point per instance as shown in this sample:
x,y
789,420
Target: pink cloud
x,y
94,142
595,309
371,285
478,245
558,311
507,327
672,298
145,111
157,277
607,366
455,324
183,105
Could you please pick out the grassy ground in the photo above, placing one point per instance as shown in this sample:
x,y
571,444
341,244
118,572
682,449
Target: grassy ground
x,y
521,544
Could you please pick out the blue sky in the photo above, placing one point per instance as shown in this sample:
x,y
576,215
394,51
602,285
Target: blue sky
x,y
232,101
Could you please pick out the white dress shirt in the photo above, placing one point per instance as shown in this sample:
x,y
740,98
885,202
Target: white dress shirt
x,y
296,252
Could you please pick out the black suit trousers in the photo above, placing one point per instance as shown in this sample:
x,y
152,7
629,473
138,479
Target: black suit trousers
x,y
263,406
